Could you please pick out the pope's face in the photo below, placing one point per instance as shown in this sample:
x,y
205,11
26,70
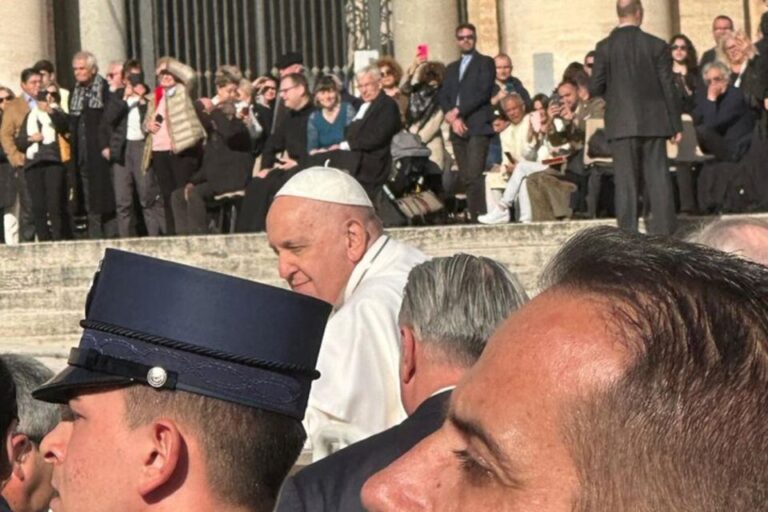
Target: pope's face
x,y
93,453
311,247
502,446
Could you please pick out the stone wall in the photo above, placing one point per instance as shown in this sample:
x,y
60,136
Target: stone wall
x,y
43,286
26,36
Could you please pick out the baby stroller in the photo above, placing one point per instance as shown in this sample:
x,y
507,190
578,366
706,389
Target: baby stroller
x,y
413,184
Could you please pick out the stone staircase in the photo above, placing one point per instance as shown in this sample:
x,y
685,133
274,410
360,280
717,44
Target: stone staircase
x,y
43,286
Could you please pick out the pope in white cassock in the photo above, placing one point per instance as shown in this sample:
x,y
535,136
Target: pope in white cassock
x,y
331,245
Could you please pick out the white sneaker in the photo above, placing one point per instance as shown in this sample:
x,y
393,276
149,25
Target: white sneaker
x,y
495,216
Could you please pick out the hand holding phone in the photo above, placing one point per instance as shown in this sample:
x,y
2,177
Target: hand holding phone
x,y
422,52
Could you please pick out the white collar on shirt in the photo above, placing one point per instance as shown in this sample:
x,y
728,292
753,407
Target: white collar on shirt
x,y
362,268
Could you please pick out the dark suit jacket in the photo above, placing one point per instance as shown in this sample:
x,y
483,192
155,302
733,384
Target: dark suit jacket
x,y
633,72
707,57
730,117
369,140
474,92
334,483
115,123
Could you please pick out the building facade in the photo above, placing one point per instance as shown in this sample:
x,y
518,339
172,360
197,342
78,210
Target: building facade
x,y
541,36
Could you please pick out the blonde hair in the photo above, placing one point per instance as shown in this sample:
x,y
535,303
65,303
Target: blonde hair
x,y
743,40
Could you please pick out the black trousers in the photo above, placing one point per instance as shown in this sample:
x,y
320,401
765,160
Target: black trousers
x,y
100,225
128,176
259,195
45,182
640,166
26,217
471,154
190,214
173,172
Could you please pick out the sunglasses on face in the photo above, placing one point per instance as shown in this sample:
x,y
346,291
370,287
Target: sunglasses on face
x,y
386,72
465,38
588,65
678,47
3,99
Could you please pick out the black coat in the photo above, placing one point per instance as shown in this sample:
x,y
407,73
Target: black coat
x,y
47,153
227,158
369,141
334,483
633,72
290,135
7,179
115,124
88,140
474,93
730,117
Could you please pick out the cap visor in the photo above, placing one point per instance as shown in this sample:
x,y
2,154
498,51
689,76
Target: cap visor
x,y
72,381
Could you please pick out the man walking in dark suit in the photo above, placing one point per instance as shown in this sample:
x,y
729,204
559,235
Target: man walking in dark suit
x,y
476,294
633,72
465,98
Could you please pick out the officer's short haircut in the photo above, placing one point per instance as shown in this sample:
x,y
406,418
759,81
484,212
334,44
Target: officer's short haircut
x,y
684,428
248,451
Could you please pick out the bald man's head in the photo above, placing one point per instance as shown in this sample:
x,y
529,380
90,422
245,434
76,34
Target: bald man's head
x,y
630,10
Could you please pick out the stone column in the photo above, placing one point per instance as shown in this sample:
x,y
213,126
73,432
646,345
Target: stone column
x,y
484,14
544,37
104,30
429,22
26,37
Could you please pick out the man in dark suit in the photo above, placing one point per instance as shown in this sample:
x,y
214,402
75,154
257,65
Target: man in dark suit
x,y
369,136
633,72
721,25
477,294
465,98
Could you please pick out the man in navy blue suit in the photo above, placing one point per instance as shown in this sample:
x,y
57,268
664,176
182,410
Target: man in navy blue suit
x,y
465,98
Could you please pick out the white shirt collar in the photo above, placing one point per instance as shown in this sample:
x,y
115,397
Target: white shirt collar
x,y
362,268
442,390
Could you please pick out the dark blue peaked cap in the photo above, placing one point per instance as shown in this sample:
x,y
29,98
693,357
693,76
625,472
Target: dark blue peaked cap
x,y
172,326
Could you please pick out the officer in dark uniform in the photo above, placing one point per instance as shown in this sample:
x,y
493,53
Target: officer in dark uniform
x,y
186,392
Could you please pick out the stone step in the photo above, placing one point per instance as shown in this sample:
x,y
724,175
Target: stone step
x,y
20,324
50,297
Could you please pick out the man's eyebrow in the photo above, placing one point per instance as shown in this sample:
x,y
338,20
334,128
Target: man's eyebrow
x,y
473,429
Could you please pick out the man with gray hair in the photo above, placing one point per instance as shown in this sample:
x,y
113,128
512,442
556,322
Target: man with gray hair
x,y
90,145
724,123
369,135
747,238
29,487
451,306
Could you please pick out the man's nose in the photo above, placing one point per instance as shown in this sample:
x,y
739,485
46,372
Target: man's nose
x,y
404,484
53,445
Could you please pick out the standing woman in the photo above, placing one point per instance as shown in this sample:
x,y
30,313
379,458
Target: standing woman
x,y
44,169
175,134
685,70
325,126
391,75
685,75
7,186
424,116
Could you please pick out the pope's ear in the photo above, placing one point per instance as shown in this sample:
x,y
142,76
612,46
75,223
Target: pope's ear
x,y
357,240
163,447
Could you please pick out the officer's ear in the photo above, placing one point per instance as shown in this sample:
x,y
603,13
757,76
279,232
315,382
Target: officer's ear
x,y
164,450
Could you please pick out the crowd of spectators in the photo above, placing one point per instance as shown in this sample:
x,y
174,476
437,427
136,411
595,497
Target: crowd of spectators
x,y
119,158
